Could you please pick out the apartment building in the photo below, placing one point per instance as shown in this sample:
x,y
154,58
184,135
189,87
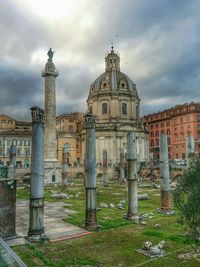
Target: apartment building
x,y
177,122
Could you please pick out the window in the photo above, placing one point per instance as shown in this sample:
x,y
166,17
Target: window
x,y
162,132
151,134
124,108
157,125
19,143
152,143
169,141
168,123
152,126
168,131
104,84
18,151
27,152
157,142
157,133
9,142
175,121
188,118
3,121
181,119
9,122
1,151
27,143
162,124
104,108
71,128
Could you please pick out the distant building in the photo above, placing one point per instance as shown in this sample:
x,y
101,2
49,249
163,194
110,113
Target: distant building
x,y
177,123
114,99
17,133
68,128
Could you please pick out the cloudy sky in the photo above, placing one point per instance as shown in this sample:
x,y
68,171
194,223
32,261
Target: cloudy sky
x,y
158,42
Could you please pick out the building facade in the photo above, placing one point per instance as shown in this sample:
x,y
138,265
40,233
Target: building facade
x,y
114,100
177,122
17,133
68,127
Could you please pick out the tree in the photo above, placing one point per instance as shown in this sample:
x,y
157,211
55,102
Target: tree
x,y
187,199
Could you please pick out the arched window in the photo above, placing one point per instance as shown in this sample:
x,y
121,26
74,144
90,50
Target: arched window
x,y
104,108
124,108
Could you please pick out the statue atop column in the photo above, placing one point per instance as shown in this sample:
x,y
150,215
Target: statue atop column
x,y
50,54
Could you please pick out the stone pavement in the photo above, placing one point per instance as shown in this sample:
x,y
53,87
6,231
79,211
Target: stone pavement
x,y
55,228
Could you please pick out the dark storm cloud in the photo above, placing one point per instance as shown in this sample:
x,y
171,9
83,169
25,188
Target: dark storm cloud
x,y
19,91
20,33
158,41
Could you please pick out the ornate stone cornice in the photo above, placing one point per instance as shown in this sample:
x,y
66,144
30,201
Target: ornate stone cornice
x,y
50,69
90,120
38,115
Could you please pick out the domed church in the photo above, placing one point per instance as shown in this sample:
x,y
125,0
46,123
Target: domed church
x,y
114,99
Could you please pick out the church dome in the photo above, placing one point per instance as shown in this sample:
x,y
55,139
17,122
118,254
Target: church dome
x,y
113,95
113,80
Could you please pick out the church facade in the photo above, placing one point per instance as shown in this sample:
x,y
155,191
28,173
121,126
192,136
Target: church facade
x,y
114,100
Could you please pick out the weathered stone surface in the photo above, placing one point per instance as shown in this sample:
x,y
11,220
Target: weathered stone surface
x,y
7,207
164,172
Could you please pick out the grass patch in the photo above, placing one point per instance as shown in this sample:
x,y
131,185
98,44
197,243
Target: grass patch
x,y
117,242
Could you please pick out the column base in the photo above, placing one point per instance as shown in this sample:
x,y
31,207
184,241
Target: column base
x,y
91,221
133,217
33,238
165,200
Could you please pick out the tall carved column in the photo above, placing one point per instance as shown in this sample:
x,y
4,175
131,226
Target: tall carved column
x,y
132,178
90,172
52,170
190,150
36,220
164,173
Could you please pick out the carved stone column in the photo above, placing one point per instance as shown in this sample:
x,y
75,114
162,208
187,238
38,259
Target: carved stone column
x,y
12,152
132,178
65,152
164,174
105,168
190,150
36,220
122,171
52,168
90,172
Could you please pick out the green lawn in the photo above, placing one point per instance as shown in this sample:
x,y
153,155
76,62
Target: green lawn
x,y
116,243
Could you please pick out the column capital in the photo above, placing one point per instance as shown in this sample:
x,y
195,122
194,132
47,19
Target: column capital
x,y
90,121
50,69
37,114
